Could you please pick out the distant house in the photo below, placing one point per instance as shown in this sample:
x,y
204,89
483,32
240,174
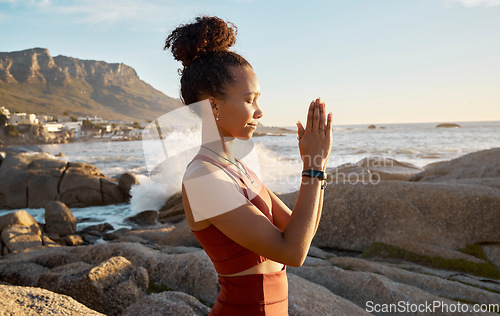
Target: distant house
x,y
136,132
93,120
5,111
53,127
74,126
44,118
23,118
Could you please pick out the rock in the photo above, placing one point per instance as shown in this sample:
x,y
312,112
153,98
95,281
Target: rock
x,y
114,235
435,285
93,233
372,127
109,287
172,201
59,219
448,125
21,218
318,253
73,240
56,238
441,214
110,192
361,288
20,238
34,179
492,252
419,249
372,170
181,235
21,273
125,183
174,215
153,235
167,303
144,218
48,242
481,164
307,298
19,300
192,273
97,229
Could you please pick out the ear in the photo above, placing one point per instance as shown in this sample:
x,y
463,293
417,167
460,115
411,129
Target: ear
x,y
213,102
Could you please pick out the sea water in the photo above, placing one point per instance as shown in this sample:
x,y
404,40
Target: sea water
x,y
278,158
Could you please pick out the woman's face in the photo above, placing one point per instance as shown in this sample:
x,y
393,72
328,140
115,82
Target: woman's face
x,y
238,109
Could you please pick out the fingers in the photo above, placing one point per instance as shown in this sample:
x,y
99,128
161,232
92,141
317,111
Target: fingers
x,y
329,123
310,115
300,130
315,124
322,117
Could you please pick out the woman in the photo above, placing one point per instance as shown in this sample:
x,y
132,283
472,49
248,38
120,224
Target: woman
x,y
247,231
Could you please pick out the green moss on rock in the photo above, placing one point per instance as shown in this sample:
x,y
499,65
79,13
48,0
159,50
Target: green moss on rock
x,y
383,250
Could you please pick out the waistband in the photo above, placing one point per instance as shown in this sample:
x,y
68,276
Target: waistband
x,y
254,289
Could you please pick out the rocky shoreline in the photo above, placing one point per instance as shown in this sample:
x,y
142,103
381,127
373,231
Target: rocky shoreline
x,y
389,232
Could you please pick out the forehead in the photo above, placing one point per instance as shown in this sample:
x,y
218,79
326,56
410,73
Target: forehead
x,y
246,81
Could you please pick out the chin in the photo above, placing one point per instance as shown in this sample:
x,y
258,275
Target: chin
x,y
245,136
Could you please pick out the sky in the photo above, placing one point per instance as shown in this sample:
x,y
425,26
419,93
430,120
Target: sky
x,y
371,61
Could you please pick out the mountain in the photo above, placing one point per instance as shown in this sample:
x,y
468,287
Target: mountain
x,y
35,82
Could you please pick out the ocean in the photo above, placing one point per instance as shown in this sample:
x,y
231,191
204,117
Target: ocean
x,y
278,158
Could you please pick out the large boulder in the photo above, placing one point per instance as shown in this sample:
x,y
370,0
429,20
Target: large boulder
x,y
307,298
192,273
20,300
167,303
34,179
21,273
109,287
480,164
20,217
59,219
449,215
173,210
366,288
372,170
432,284
181,235
20,238
125,183
144,218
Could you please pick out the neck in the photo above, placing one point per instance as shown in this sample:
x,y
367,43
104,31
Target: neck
x,y
222,148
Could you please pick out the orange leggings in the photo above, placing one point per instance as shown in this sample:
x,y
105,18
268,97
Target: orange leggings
x,y
253,294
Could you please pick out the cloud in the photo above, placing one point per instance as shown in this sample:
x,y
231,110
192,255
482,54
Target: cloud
x,y
475,3
100,11
110,11
31,3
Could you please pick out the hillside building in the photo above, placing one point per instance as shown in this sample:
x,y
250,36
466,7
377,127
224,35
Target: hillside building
x,y
5,111
23,118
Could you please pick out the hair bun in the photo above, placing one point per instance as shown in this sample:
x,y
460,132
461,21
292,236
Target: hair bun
x,y
206,35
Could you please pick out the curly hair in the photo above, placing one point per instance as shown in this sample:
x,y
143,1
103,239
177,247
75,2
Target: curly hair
x,y
203,49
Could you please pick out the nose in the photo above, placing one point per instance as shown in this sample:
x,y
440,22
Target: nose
x,y
258,114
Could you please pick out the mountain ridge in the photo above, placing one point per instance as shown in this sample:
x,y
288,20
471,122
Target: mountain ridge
x,y
33,81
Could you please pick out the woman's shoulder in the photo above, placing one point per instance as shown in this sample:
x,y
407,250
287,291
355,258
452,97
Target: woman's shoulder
x,y
201,169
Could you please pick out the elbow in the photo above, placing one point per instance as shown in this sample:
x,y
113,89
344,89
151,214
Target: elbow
x,y
297,260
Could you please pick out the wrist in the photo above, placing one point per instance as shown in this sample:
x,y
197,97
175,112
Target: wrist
x,y
314,167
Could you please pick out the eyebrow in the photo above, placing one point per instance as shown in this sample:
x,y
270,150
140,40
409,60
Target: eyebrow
x,y
256,92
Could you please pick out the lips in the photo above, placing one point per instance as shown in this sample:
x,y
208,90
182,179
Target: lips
x,y
253,124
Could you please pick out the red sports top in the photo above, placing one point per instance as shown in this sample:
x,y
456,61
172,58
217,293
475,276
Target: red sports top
x,y
227,256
